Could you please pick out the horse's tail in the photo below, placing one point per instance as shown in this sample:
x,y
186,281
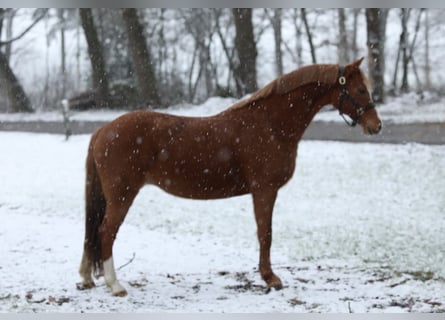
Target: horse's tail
x,y
95,212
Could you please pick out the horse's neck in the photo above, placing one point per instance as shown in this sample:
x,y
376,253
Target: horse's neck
x,y
313,99
293,112
287,115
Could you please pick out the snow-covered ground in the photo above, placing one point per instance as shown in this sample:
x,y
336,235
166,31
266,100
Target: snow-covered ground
x,y
360,228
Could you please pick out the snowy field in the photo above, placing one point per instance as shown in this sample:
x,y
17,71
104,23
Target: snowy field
x,y
408,108
360,228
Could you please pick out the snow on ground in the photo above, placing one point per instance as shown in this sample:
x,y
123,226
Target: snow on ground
x,y
211,106
409,108
358,229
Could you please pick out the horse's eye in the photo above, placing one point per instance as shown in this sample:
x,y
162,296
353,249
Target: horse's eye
x,y
362,90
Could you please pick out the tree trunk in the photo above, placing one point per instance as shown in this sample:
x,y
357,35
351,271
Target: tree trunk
x,y
246,49
190,75
354,35
404,47
2,14
309,34
276,26
427,51
298,36
78,56
412,48
200,24
376,32
393,90
10,14
10,85
95,52
61,15
18,99
343,48
141,58
230,53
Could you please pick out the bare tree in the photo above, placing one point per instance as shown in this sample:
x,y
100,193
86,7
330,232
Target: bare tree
x,y
12,88
19,101
309,34
406,51
141,58
95,52
409,54
343,46
162,53
413,46
2,18
298,35
376,33
201,24
404,16
9,16
275,20
427,51
354,46
228,50
246,50
61,17
166,49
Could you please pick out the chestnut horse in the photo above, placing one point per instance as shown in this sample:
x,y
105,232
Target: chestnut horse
x,y
249,148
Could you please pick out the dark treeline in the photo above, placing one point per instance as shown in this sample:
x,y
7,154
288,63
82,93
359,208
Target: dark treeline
x,y
156,57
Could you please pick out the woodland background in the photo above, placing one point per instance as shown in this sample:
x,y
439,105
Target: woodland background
x,y
156,57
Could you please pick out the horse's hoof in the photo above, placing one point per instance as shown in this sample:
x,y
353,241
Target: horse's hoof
x,y
120,294
117,289
85,285
278,286
273,282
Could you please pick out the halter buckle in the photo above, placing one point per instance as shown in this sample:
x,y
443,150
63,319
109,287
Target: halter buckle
x,y
342,80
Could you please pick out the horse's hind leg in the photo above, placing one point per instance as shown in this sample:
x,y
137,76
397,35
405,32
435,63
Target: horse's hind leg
x,y
117,208
263,205
85,272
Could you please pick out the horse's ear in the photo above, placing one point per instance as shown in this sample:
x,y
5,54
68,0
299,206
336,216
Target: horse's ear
x,y
358,62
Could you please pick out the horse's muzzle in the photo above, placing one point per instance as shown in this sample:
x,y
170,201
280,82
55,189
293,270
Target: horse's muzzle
x,y
374,130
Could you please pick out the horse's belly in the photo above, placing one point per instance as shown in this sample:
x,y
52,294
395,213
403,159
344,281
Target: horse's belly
x,y
200,183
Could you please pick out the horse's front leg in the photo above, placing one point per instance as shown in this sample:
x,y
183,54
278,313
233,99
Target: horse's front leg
x,y
263,202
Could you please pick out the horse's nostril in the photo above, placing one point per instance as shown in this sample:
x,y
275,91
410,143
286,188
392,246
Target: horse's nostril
x,y
377,130
374,130
379,127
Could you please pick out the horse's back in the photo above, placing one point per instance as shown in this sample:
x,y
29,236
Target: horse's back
x,y
186,156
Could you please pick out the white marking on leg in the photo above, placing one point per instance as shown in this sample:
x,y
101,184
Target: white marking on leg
x,y
85,272
110,278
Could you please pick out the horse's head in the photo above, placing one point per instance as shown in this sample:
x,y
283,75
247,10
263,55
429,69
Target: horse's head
x,y
352,97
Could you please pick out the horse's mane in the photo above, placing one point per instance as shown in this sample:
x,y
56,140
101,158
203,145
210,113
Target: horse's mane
x,y
322,73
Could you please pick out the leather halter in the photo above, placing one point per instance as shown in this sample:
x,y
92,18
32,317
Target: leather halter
x,y
346,96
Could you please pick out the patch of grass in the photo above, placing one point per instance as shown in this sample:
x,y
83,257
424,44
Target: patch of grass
x,y
296,302
421,275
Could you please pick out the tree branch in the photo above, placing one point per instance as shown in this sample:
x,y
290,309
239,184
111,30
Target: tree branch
x,y
2,43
